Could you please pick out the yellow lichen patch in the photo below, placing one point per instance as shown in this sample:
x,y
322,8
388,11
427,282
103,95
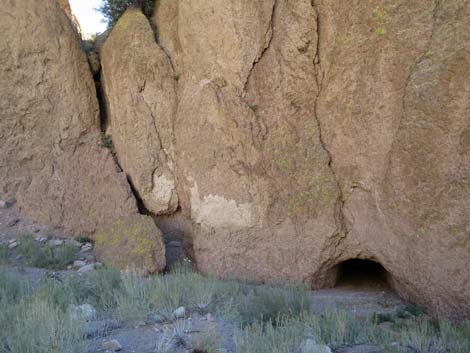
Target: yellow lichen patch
x,y
379,14
380,31
132,242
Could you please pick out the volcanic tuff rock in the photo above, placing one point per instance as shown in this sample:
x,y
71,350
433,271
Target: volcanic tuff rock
x,y
140,94
132,242
49,126
311,132
288,136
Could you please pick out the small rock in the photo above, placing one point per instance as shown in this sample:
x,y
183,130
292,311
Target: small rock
x,y
86,268
154,318
12,245
69,267
89,258
3,204
311,346
13,222
209,317
140,323
86,311
111,345
78,264
12,240
86,247
100,328
73,242
56,242
40,239
179,313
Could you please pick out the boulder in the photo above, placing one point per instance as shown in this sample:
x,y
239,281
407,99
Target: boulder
x,y
141,103
49,131
134,242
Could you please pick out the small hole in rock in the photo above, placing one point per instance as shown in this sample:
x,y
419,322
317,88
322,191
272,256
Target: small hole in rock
x,y
362,273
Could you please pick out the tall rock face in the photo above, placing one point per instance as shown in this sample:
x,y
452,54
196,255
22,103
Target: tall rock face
x,y
140,92
394,107
50,161
301,134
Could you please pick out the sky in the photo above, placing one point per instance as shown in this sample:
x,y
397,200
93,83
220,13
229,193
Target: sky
x,y
90,20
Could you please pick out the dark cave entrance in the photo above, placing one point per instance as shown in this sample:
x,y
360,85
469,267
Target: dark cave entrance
x,y
362,273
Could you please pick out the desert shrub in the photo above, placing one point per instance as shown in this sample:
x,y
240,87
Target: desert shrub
x,y
4,254
266,318
457,337
272,303
37,326
98,288
333,328
48,256
424,335
113,9
31,322
283,337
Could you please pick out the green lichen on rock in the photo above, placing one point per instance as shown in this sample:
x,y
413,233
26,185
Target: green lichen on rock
x,y
132,242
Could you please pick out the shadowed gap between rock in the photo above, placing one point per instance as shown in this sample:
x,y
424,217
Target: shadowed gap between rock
x,y
174,253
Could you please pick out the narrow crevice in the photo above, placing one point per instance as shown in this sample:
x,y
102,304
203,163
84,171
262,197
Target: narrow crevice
x,y
341,230
268,40
140,203
101,102
156,35
96,70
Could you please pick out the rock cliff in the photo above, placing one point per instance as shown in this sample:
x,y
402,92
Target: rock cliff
x,y
281,137
308,133
50,158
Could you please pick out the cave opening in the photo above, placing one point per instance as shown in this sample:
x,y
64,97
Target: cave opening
x,y
362,273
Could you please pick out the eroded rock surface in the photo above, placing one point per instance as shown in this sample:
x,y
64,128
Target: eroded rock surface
x,y
139,87
133,242
309,133
50,161
283,137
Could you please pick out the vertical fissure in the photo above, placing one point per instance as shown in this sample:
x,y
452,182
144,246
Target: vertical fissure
x,y
154,28
267,44
341,230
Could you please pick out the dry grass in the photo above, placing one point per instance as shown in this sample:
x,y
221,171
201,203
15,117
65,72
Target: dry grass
x,y
272,319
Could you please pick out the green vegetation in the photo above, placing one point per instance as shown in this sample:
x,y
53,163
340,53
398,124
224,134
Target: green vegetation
x,y
113,9
48,256
265,318
106,142
33,322
428,53
380,31
4,255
